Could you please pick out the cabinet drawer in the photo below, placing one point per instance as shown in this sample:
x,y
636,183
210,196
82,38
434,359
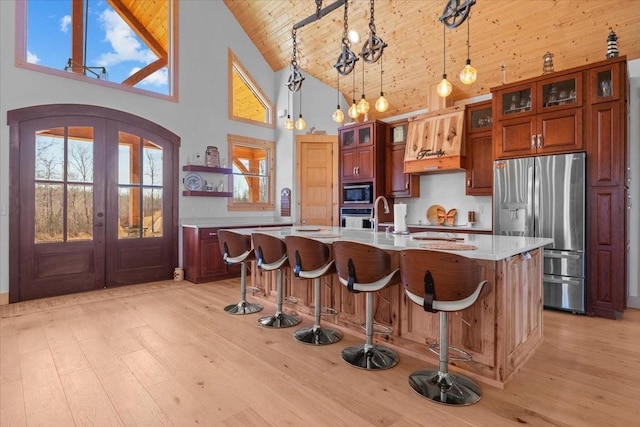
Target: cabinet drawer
x,y
208,233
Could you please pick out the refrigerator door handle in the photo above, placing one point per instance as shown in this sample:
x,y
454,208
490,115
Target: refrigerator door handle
x,y
561,256
565,280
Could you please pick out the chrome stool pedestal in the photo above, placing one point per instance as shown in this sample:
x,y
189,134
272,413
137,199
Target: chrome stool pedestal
x,y
236,249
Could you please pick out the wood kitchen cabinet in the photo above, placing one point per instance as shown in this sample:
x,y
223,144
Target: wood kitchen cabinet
x,y
398,183
540,116
202,258
607,188
362,150
478,146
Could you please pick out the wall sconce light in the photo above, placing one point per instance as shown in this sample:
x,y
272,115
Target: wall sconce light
x,y
444,88
468,75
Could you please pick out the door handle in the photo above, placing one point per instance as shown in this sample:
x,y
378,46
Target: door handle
x,y
98,224
539,140
533,142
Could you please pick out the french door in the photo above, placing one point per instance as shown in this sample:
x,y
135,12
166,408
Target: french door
x,y
95,204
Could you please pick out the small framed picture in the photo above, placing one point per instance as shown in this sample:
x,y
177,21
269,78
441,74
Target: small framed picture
x,y
399,133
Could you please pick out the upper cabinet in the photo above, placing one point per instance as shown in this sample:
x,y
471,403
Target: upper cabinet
x,y
605,83
398,183
539,117
478,143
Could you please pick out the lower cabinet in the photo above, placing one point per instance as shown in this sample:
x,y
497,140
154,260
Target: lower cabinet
x,y
202,258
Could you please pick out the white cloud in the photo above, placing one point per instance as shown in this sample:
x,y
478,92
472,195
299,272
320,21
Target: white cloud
x,y
65,22
159,78
32,58
123,42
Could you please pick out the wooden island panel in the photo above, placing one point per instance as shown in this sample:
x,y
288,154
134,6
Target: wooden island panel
x,y
501,331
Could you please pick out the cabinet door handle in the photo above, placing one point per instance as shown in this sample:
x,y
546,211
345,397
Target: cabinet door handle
x,y
540,140
211,234
354,171
468,183
406,185
533,142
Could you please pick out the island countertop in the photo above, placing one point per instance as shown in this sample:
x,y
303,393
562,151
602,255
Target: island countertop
x,y
487,247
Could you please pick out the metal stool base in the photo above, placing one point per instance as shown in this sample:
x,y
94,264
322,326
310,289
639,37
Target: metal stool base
x,y
318,336
243,308
448,389
279,320
372,357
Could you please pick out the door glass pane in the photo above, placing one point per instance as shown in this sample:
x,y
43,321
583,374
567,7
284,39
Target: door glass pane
x,y
64,209
139,187
79,212
604,83
516,102
49,213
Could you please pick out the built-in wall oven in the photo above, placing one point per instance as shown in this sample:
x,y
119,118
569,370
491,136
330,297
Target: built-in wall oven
x,y
356,217
361,193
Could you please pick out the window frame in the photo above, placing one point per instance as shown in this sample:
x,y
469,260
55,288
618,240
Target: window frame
x,y
172,63
270,147
234,62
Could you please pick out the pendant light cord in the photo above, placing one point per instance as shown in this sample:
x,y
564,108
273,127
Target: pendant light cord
x,y
444,50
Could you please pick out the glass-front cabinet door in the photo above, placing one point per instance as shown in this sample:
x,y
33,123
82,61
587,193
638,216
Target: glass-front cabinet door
x,y
561,92
517,102
604,84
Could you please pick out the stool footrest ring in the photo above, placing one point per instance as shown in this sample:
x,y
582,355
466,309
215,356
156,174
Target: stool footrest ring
x,y
328,311
290,300
463,356
379,328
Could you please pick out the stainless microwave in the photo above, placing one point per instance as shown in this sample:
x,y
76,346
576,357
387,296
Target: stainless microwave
x,y
357,193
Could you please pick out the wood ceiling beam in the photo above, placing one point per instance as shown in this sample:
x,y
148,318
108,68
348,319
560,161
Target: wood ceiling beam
x,y
138,27
145,72
77,36
320,15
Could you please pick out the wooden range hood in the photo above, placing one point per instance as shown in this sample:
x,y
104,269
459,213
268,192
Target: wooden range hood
x,y
434,139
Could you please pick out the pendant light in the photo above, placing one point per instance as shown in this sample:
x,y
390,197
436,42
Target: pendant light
x,y
468,74
381,104
353,110
300,123
363,104
444,87
288,123
338,115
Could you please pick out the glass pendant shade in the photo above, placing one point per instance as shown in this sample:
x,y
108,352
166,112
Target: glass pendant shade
x,y
353,110
288,123
382,104
300,123
468,74
363,106
338,115
444,87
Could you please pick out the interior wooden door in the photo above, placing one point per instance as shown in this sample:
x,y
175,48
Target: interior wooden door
x,y
317,178
94,200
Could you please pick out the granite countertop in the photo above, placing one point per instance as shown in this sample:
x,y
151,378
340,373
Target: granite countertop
x,y
487,246
236,222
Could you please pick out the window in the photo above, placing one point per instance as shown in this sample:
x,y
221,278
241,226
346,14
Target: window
x,y
252,178
247,102
125,43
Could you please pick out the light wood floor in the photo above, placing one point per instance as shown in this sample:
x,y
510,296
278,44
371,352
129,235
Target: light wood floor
x,y
167,354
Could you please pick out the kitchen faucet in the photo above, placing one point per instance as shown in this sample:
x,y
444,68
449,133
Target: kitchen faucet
x,y
374,226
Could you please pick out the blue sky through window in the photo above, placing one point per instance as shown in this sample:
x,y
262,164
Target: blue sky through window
x,y
111,43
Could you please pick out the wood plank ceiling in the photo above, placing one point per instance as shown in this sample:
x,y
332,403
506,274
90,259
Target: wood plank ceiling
x,y
513,33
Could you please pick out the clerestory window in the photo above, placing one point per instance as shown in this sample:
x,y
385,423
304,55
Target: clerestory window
x,y
247,102
129,43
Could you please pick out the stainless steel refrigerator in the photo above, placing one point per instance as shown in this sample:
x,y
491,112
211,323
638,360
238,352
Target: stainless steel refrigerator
x,y
545,197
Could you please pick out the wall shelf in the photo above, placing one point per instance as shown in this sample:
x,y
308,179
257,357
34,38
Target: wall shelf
x,y
207,193
202,168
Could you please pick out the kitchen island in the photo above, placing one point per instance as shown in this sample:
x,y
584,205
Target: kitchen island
x,y
501,331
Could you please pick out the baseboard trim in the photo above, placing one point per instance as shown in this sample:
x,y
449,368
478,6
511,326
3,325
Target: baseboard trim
x,y
4,298
633,302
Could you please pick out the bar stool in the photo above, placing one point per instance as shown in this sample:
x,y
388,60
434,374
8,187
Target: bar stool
x,y
442,282
236,249
365,268
271,254
311,259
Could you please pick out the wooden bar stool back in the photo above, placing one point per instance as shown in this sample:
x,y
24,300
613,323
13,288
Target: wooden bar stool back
x,y
236,249
365,268
442,282
271,254
311,259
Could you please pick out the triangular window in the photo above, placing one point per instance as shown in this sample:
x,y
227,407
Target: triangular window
x,y
247,102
